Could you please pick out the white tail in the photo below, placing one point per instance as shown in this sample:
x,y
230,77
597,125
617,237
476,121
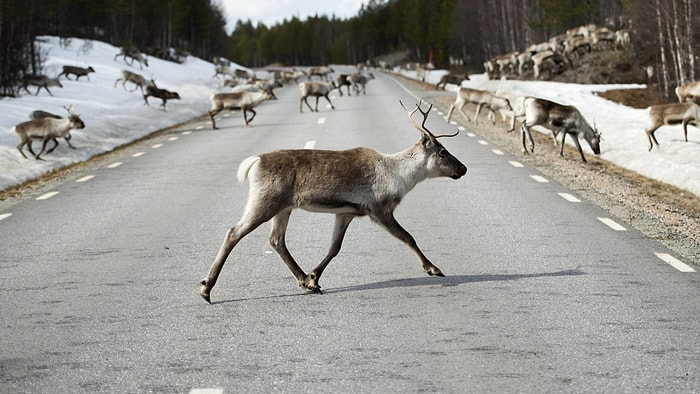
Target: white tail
x,y
347,183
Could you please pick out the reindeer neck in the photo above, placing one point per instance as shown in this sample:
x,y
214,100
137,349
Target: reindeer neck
x,y
410,165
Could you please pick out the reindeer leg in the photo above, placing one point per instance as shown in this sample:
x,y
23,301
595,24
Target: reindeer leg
x,y
212,113
329,101
55,144
461,110
685,128
21,145
526,133
449,113
650,136
317,97
251,118
43,147
249,222
341,225
277,241
394,228
68,138
476,115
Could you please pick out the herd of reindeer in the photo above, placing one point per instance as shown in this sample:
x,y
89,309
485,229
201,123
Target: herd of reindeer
x,y
552,57
247,92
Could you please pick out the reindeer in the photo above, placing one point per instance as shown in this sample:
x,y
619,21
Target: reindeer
x,y
45,129
244,100
359,81
162,94
482,99
41,81
136,79
317,89
322,72
77,71
557,117
672,114
343,80
689,92
455,79
133,54
349,183
39,114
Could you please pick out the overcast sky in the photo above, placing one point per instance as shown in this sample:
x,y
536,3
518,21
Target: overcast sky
x,y
271,12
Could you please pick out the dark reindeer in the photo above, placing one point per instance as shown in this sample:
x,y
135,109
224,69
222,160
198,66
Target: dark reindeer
x,y
348,183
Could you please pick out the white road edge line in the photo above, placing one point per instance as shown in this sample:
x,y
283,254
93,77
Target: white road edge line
x,y
568,197
47,196
207,391
5,216
612,224
674,262
310,144
85,178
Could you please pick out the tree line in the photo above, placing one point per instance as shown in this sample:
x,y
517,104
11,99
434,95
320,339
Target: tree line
x,y
195,26
445,32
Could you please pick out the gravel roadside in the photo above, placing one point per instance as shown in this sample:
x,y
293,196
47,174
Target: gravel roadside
x,y
660,211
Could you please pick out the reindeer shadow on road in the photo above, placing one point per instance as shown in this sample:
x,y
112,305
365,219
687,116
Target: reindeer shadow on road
x,y
448,281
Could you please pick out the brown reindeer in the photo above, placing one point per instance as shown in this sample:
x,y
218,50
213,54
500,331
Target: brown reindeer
x,y
348,183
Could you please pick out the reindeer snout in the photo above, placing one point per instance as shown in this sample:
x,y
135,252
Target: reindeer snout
x,y
460,172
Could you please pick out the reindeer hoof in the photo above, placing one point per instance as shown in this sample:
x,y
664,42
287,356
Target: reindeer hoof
x,y
311,284
204,290
434,271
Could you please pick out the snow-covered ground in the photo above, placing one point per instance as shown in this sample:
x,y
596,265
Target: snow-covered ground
x,y
114,116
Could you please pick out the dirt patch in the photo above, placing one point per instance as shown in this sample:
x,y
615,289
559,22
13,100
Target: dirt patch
x,y
635,98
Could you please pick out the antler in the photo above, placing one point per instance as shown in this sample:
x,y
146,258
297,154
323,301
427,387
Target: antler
x,y
70,110
425,114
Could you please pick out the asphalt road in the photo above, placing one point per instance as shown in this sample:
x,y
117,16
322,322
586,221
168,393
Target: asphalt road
x,y
98,283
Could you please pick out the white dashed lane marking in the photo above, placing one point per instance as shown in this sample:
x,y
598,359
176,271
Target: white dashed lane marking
x,y
516,164
156,146
612,224
47,196
674,262
539,179
115,165
321,121
568,197
138,154
4,216
309,144
85,178
496,151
